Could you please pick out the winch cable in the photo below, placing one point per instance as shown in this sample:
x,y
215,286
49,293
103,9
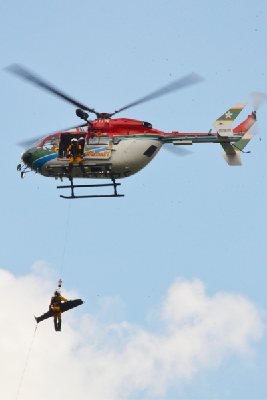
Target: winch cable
x,y
63,257
26,361
66,234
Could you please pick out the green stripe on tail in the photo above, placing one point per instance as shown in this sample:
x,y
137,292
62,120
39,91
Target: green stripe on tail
x,y
241,144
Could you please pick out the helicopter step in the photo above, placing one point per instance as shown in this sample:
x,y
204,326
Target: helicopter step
x,y
72,186
61,170
106,165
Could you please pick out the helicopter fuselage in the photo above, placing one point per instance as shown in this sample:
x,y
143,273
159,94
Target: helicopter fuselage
x,y
120,146
124,146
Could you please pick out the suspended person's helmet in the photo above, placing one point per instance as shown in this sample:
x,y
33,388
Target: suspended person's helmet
x,y
57,292
74,141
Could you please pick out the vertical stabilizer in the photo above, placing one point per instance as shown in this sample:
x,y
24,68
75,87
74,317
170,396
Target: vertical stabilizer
x,y
223,125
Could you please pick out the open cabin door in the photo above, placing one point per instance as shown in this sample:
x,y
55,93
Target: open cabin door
x,y
65,141
97,147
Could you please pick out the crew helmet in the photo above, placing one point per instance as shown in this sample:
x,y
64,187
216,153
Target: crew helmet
x,y
74,141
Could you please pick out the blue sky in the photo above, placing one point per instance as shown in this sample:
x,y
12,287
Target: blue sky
x,y
191,217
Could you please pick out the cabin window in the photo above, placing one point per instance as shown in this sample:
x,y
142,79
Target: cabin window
x,y
150,151
116,139
98,140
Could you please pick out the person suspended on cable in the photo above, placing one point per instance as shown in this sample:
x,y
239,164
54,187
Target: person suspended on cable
x,y
75,152
55,307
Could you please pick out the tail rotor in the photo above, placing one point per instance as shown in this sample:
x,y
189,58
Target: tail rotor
x,y
257,99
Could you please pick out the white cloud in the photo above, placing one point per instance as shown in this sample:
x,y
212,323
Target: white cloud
x,y
92,359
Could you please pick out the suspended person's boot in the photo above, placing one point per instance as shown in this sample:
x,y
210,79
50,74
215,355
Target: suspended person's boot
x,y
59,325
55,324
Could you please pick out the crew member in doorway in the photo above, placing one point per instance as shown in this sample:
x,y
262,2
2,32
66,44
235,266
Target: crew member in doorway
x,y
55,307
75,151
80,152
81,146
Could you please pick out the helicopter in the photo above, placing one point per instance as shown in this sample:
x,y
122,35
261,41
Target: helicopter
x,y
116,148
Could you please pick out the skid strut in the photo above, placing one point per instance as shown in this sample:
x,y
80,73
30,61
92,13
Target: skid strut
x,y
72,186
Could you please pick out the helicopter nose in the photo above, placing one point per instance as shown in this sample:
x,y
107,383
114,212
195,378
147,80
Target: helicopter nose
x,y
26,158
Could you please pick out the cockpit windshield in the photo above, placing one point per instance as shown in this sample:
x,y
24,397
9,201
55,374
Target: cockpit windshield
x,y
51,143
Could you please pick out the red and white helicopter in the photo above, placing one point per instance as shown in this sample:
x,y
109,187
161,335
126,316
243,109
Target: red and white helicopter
x,y
118,148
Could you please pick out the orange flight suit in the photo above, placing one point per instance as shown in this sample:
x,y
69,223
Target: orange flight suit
x,y
55,307
78,156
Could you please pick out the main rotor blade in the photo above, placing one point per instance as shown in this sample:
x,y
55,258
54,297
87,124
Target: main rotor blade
x,y
181,83
29,76
26,144
177,150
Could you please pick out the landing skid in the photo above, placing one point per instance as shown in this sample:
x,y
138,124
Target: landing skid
x,y
72,186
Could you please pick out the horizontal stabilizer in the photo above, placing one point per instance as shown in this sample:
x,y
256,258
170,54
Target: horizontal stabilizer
x,y
68,305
